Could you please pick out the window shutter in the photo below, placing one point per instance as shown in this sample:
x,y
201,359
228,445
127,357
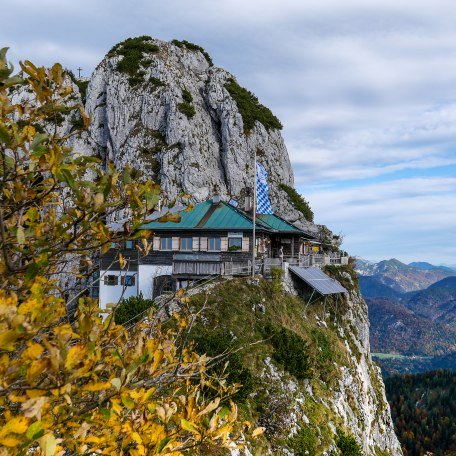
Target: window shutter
x,y
175,243
156,243
196,244
245,244
203,244
224,244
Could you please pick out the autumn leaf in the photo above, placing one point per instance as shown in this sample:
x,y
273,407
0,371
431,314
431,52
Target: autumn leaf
x,y
16,425
34,406
48,444
74,356
33,351
7,339
98,201
210,407
258,431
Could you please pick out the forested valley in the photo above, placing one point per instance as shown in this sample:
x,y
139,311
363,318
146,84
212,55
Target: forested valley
x,y
423,407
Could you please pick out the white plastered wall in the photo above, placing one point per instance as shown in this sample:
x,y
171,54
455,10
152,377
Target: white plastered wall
x,y
111,294
147,273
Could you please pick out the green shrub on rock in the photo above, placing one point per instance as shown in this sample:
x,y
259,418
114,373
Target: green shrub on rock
x,y
186,107
133,50
348,446
251,109
290,351
298,201
304,443
132,309
219,343
193,47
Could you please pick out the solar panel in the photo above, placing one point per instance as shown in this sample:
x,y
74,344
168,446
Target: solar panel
x,y
318,280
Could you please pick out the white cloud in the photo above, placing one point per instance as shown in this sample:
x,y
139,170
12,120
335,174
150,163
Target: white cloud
x,y
365,90
405,218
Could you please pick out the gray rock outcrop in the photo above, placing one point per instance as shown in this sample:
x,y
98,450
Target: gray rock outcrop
x,y
142,125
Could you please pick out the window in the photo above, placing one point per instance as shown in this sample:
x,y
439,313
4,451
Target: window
x,y
166,243
186,243
184,283
168,286
214,244
111,280
114,245
163,284
128,280
235,243
128,245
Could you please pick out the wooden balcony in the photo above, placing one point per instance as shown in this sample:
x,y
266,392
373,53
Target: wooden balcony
x,y
202,265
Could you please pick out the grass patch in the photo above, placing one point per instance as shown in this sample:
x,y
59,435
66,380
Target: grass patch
x,y
193,47
156,82
251,109
298,202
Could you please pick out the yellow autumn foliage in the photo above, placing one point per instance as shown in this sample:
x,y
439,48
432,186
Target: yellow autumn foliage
x,y
82,385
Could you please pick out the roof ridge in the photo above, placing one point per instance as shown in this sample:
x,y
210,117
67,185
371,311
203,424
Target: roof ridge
x,y
212,208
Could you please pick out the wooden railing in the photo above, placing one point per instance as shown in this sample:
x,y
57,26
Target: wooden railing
x,y
262,266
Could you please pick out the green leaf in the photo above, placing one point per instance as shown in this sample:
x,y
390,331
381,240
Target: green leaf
x,y
223,412
14,80
37,140
35,430
20,235
69,179
187,426
86,159
32,271
162,444
106,413
127,401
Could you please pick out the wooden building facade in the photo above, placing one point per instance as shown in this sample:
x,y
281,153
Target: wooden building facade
x,y
214,238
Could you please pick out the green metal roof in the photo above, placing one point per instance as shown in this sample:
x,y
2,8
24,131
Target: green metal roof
x,y
277,223
189,219
206,216
226,216
222,216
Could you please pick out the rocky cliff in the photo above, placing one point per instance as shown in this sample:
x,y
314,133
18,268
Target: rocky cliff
x,y
307,370
165,109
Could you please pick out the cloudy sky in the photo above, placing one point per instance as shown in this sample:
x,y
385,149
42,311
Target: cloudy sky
x,y
365,90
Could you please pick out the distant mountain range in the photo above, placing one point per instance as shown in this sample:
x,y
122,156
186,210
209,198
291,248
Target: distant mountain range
x,y
412,312
403,277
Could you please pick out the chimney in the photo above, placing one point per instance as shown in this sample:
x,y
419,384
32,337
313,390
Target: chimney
x,y
216,199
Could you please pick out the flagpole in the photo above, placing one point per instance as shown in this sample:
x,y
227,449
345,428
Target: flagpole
x,y
254,213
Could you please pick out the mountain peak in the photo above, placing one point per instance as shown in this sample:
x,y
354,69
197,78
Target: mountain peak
x,y
166,110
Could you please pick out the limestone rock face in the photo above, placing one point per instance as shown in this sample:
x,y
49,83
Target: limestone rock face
x,y
143,126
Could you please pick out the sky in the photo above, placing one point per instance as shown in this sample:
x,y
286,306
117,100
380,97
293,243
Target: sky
x,y
365,89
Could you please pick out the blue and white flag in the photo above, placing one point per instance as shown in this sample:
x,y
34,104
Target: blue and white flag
x,y
263,203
